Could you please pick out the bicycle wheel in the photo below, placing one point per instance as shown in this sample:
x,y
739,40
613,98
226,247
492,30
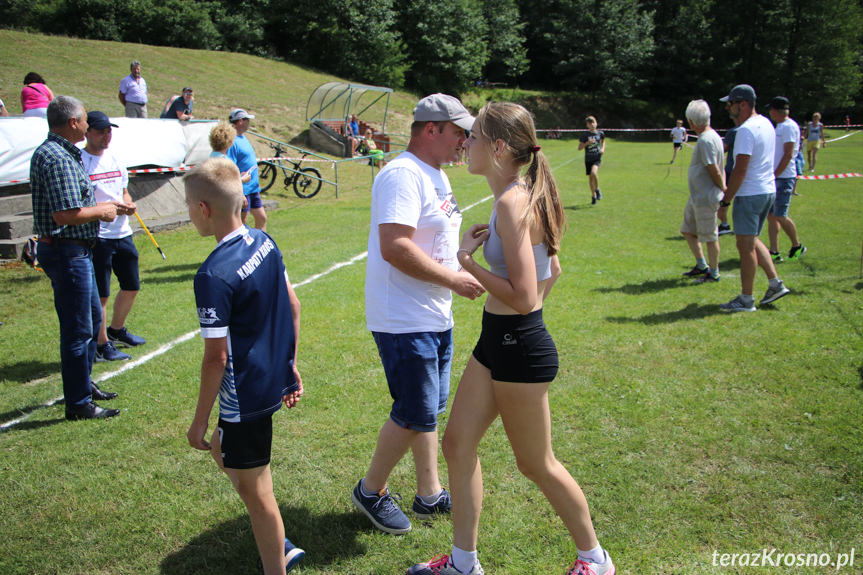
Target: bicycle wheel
x,y
266,175
307,183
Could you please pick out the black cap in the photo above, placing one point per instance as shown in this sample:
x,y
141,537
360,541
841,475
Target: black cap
x,y
779,103
99,121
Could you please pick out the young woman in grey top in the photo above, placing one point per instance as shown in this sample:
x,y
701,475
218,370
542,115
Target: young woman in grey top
x,y
515,360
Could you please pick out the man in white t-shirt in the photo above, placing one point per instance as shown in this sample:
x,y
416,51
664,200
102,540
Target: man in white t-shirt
x,y
678,137
411,273
752,187
785,170
115,250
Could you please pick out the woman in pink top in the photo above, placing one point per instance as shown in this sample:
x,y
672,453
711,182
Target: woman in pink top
x,y
35,96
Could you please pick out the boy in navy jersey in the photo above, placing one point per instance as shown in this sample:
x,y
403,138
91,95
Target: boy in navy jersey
x,y
250,319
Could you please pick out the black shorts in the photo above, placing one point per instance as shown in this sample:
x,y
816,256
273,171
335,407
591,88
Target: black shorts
x,y
247,444
678,145
517,348
589,162
119,256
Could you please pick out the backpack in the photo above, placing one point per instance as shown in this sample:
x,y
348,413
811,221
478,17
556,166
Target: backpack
x,y
28,253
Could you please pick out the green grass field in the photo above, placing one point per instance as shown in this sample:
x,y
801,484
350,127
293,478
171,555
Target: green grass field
x,y
691,431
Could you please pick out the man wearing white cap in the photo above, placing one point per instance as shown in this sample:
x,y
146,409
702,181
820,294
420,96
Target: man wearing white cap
x,y
243,154
411,273
752,186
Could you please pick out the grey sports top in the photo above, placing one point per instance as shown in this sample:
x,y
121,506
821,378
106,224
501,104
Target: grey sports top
x,y
493,253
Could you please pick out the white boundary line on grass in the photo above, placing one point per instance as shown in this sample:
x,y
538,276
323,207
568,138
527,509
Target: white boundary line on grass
x,y
187,336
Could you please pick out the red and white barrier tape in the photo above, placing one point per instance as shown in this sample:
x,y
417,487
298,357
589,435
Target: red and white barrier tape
x,y
830,176
161,170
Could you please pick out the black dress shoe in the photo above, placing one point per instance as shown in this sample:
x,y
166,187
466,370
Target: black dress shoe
x,y
100,395
89,411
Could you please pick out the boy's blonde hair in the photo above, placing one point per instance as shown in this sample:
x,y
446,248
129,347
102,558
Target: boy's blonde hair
x,y
217,183
222,136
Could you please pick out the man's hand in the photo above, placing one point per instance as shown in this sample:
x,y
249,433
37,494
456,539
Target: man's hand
x,y
108,211
196,434
467,286
290,400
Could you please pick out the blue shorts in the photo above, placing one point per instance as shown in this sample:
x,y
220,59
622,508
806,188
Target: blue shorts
x,y
255,201
784,190
750,213
417,366
119,256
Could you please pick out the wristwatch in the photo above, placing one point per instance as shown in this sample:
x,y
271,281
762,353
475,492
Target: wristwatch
x,y
724,204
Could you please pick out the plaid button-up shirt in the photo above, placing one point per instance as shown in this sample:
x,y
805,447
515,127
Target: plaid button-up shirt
x,y
58,182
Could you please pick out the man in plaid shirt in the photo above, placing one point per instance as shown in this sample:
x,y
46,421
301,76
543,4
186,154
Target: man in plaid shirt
x,y
66,218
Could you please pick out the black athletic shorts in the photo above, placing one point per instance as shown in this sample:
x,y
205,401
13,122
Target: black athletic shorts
x,y
119,256
246,444
517,348
590,161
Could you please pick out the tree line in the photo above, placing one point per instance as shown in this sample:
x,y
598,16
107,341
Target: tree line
x,y
652,50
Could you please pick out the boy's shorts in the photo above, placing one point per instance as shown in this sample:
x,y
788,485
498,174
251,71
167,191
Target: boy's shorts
x,y
700,221
678,145
517,348
121,256
784,190
750,212
255,201
417,367
247,444
590,162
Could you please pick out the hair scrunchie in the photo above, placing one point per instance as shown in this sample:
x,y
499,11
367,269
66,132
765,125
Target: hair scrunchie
x,y
535,149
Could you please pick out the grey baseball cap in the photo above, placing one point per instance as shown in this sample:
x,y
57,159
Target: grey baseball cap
x,y
443,108
740,92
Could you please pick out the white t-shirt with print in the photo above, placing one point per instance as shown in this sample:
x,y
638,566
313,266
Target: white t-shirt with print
x,y
409,192
755,138
109,178
787,131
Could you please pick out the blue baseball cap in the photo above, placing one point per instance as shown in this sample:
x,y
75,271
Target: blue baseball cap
x,y
99,121
740,92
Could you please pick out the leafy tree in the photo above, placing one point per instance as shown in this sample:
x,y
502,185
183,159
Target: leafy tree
x,y
592,46
506,43
341,36
445,43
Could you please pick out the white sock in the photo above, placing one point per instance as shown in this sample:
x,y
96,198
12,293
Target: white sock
x,y
700,263
463,560
430,499
595,555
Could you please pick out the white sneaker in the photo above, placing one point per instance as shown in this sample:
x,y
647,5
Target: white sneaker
x,y
581,567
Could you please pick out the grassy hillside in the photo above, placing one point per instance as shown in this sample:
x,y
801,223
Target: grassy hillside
x,y
91,70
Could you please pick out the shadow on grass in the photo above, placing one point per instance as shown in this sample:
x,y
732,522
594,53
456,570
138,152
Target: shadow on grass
x,y
25,371
175,268
576,207
229,548
690,312
649,286
31,425
176,278
860,373
29,279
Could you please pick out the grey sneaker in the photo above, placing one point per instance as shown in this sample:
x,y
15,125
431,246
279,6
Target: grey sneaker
x,y
442,566
737,304
382,509
773,294
425,510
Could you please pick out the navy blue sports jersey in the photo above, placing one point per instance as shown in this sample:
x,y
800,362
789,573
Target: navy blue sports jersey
x,y
241,293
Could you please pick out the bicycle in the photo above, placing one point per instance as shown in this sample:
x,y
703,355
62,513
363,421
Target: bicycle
x,y
306,181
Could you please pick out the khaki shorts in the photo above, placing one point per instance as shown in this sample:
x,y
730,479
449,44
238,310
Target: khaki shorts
x,y
812,145
701,221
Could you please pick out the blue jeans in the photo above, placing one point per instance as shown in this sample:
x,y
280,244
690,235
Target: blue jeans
x,y
417,366
76,300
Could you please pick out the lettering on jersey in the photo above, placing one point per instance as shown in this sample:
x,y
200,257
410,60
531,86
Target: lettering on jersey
x,y
207,315
105,176
253,262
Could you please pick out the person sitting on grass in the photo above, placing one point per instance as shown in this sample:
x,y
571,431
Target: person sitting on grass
x,y
245,302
